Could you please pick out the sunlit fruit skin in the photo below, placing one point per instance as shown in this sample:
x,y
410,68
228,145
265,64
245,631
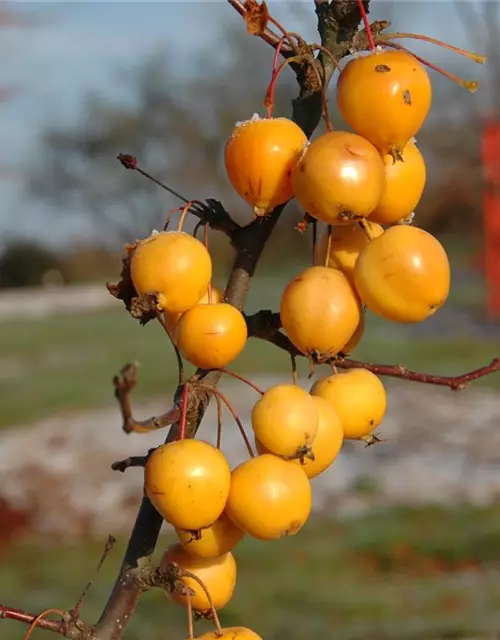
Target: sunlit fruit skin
x,y
260,155
219,538
358,396
403,275
285,420
404,186
269,497
217,574
173,265
211,336
172,318
231,633
320,311
339,178
385,97
188,483
346,243
327,442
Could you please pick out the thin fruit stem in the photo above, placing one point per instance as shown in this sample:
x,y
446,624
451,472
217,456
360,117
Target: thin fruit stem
x,y
183,215
184,573
245,380
475,57
328,245
295,377
182,431
180,365
225,400
169,217
363,224
39,618
190,617
269,99
206,242
277,56
470,85
288,35
334,368
366,22
219,421
314,242
198,226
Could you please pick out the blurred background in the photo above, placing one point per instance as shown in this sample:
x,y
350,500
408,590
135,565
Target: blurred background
x,y
405,540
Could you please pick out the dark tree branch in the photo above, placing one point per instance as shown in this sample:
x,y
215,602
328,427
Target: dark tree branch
x,y
266,326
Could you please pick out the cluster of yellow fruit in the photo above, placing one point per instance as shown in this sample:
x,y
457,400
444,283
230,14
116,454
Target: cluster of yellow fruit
x,y
177,269
355,183
298,435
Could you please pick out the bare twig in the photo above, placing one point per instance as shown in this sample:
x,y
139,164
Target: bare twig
x,y
67,626
28,618
210,212
132,461
124,383
455,383
75,612
269,331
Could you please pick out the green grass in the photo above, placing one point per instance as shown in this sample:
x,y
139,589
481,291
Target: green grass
x,y
398,574
66,363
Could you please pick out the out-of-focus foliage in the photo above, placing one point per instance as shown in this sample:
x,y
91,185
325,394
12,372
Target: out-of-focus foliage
x,y
176,122
27,264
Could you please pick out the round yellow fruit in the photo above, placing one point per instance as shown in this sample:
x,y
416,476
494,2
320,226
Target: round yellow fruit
x,y
358,396
217,574
403,275
188,482
172,265
269,498
285,420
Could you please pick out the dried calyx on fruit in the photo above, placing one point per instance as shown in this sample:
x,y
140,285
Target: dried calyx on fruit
x,y
172,265
260,155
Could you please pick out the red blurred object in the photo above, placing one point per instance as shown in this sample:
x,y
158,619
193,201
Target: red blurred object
x,y
491,204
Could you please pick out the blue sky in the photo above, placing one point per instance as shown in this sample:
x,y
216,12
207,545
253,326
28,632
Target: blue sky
x,y
83,44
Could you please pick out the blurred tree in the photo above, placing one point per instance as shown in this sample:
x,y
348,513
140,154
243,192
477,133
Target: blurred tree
x,y
176,122
176,119
27,264
453,202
